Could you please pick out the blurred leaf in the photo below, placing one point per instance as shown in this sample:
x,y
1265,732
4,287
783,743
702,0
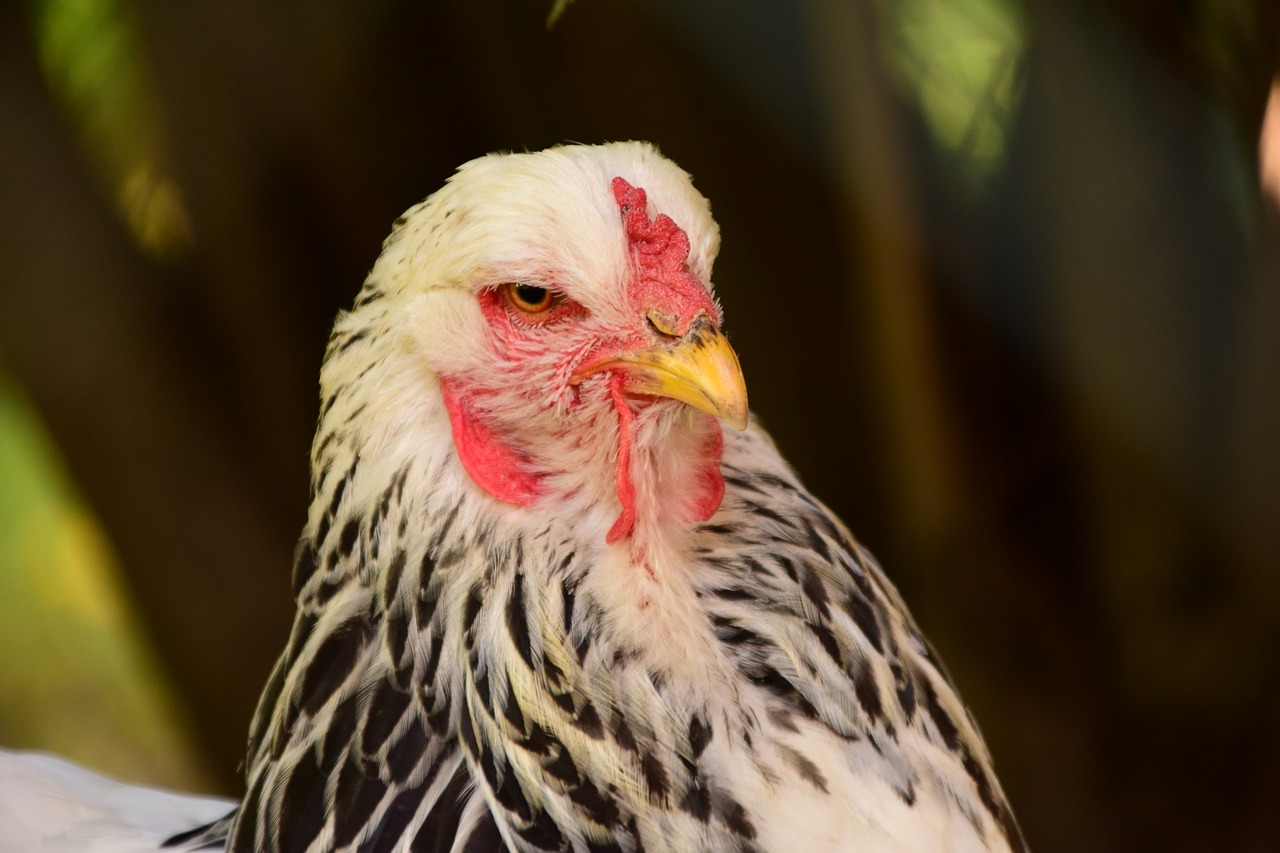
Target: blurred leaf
x,y
557,9
959,61
73,651
92,58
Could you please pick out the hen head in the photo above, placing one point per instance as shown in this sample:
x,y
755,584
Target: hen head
x,y
561,300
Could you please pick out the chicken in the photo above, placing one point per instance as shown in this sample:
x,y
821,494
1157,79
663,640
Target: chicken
x,y
50,804
556,589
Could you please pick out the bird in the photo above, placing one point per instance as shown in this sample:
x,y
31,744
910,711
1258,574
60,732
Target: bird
x,y
558,590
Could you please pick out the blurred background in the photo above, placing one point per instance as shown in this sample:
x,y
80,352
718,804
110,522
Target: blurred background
x,y
1000,273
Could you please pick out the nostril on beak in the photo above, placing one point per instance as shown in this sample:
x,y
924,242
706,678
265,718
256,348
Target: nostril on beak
x,y
666,325
669,327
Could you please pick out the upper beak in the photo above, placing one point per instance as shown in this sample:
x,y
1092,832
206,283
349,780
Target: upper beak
x,y
699,369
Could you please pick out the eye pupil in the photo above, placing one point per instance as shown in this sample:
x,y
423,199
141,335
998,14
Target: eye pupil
x,y
529,293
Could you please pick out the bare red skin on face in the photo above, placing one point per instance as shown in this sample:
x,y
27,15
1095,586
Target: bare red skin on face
x,y
503,318
661,282
490,460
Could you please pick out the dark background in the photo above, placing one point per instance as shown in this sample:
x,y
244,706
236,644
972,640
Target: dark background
x,y
1035,367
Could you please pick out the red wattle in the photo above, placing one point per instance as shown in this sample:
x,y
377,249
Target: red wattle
x,y
710,479
494,465
710,485
626,490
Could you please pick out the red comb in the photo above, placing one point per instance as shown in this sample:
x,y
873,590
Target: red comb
x,y
660,255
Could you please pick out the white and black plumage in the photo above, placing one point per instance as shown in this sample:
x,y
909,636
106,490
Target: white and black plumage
x,y
555,592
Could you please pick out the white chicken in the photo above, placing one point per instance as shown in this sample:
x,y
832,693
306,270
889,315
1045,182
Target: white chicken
x,y
556,591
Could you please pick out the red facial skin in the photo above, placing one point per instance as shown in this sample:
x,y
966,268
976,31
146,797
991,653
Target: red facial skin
x,y
661,285
492,462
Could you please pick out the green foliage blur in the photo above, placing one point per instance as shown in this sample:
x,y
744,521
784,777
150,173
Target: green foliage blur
x,y
72,647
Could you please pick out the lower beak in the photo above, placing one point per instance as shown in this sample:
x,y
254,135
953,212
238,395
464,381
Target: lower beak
x,y
699,369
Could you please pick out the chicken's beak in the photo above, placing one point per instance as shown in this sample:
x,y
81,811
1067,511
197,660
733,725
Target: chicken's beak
x,y
699,369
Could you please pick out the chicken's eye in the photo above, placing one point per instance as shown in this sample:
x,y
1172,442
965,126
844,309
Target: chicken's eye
x,y
530,298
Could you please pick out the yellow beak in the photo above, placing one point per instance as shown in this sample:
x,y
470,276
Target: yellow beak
x,y
699,369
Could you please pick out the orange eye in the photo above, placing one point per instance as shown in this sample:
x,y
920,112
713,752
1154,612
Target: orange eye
x,y
529,298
